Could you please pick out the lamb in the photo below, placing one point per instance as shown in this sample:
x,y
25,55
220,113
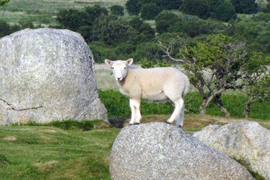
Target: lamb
x,y
155,84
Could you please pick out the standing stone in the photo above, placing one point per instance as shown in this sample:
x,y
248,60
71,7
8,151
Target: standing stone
x,y
245,141
46,75
157,151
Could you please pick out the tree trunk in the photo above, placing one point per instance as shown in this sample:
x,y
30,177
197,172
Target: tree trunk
x,y
205,103
247,108
203,106
219,103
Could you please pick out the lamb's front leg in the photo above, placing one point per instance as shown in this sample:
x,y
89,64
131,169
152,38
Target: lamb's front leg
x,y
135,111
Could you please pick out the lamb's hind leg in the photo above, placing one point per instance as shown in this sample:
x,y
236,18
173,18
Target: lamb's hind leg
x,y
135,111
177,110
180,118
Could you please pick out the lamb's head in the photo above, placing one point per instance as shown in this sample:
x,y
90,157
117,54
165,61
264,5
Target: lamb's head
x,y
119,67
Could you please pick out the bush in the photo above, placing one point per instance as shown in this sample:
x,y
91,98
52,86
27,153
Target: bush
x,y
133,7
71,124
223,11
117,10
149,11
247,6
165,20
198,8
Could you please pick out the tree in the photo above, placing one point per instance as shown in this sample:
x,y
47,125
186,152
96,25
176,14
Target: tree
x,y
93,13
2,2
223,10
117,10
136,23
246,6
213,67
149,11
85,31
256,80
113,30
165,20
133,7
169,4
71,19
149,51
198,8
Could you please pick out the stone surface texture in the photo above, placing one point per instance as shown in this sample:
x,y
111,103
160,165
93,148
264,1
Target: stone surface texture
x,y
46,75
245,141
158,151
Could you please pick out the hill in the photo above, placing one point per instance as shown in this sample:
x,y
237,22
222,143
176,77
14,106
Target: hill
x,y
43,12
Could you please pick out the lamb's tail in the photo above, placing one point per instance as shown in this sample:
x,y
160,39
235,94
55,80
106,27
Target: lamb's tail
x,y
187,84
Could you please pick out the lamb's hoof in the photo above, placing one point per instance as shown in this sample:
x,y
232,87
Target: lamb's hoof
x,y
168,122
136,123
179,126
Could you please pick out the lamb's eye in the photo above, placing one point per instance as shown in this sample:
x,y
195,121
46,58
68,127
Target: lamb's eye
x,y
112,67
125,67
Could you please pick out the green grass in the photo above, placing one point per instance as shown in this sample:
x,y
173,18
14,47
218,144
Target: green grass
x,y
118,106
43,12
42,152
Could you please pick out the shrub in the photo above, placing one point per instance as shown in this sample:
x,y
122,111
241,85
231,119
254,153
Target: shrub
x,y
133,7
71,124
117,10
149,11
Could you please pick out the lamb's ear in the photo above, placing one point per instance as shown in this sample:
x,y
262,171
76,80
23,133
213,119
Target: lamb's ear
x,y
108,62
129,61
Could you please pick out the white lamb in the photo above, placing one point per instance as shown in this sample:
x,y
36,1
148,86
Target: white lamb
x,y
155,84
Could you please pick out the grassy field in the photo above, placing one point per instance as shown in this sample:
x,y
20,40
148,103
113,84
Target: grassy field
x,y
40,152
43,12
43,152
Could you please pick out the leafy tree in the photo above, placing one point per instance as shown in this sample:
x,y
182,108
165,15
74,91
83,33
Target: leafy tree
x,y
149,11
246,6
4,28
223,11
257,80
111,31
136,23
93,13
2,2
117,10
85,31
267,8
196,7
213,67
147,31
133,7
195,26
149,51
169,4
165,20
101,51
71,19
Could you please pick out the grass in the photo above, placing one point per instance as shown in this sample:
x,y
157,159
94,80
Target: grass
x,y
44,152
54,152
118,106
43,12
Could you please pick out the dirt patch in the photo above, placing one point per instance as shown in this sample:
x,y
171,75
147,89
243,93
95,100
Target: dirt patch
x,y
46,166
10,138
195,122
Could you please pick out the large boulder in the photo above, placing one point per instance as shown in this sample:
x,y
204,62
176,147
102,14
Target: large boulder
x,y
159,151
245,141
45,75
